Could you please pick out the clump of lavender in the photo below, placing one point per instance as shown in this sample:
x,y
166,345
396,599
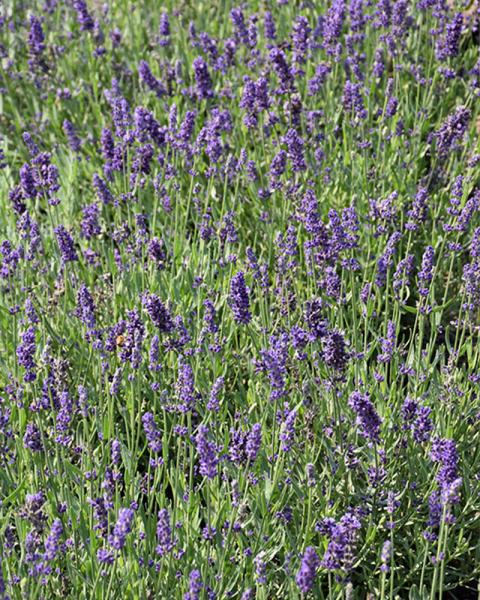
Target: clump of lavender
x,y
249,298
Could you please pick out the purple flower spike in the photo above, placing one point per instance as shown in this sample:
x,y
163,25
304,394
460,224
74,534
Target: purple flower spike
x,y
306,575
239,301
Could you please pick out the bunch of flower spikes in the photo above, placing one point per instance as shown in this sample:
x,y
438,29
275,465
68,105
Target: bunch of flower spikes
x,y
340,553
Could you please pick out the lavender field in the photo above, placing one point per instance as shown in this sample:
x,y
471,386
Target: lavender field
x,y
239,300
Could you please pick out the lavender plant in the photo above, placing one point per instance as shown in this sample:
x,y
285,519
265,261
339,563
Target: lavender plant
x,y
239,300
